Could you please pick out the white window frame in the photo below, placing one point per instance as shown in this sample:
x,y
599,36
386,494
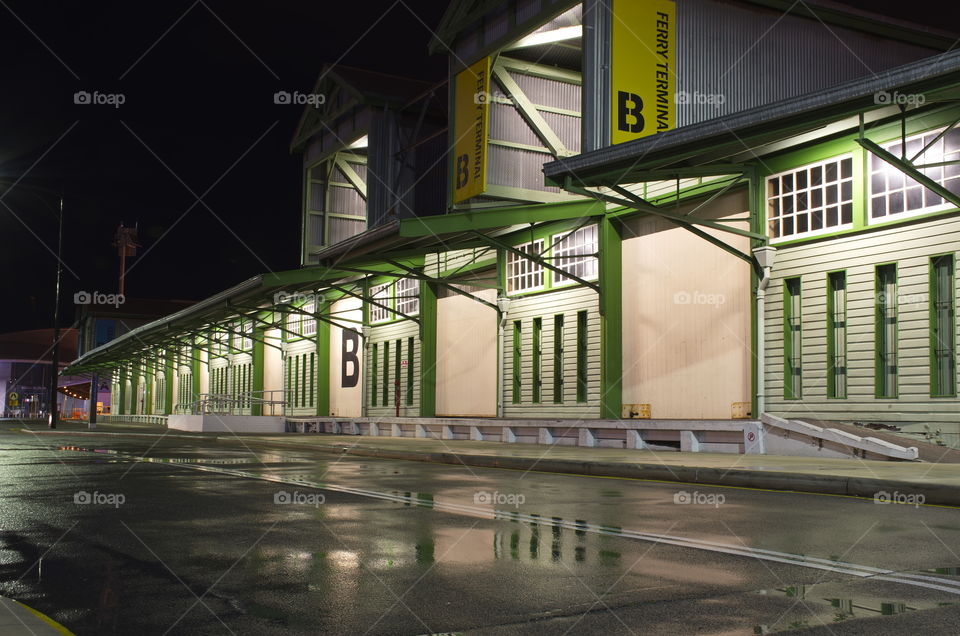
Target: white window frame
x,y
381,294
809,191
575,253
246,328
308,324
524,274
877,166
408,296
293,324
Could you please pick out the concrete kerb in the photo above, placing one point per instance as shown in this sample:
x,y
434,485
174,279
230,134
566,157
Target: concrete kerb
x,y
864,487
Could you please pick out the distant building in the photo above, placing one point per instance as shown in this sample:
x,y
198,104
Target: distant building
x,y
25,373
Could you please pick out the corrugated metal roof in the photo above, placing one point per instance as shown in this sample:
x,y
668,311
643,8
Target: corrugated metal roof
x,y
783,118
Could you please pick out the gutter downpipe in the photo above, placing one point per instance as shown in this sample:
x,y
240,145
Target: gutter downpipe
x,y
765,257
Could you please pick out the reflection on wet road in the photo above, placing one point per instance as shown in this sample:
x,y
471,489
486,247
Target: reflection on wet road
x,y
218,538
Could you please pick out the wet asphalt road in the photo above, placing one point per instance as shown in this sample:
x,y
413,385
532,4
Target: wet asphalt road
x,y
223,536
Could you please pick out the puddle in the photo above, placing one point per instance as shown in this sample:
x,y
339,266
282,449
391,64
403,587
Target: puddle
x,y
821,604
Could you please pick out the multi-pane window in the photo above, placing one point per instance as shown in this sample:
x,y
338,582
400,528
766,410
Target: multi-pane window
x,y
237,335
537,358
517,359
293,324
246,328
558,359
576,253
943,342
524,274
582,356
380,311
895,195
792,340
886,331
308,324
811,200
408,296
410,376
837,335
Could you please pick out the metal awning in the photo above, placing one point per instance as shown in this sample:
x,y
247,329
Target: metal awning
x,y
725,144
397,249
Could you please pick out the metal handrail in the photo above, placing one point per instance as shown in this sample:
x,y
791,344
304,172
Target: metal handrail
x,y
270,402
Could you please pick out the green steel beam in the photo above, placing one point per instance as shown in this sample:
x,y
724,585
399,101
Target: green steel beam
x,y
488,218
323,363
687,225
375,303
445,285
908,169
539,260
635,202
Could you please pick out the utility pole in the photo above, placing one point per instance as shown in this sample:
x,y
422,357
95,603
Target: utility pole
x,y
125,240
55,367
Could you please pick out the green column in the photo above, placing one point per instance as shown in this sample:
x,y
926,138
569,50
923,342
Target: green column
x,y
323,363
195,367
428,349
258,363
611,319
119,408
134,388
756,203
150,378
168,380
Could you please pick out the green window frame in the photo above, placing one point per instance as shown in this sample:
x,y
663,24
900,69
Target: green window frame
x,y
837,335
886,331
313,378
396,368
582,342
517,359
558,359
410,345
792,339
386,373
943,326
374,373
537,355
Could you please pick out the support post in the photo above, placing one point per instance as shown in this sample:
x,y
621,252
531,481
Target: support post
x,y
611,319
428,349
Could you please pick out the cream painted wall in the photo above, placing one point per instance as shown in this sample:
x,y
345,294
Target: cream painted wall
x,y
204,372
272,363
467,356
345,402
686,317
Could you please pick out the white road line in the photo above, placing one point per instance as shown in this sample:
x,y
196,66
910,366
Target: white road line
x,y
840,567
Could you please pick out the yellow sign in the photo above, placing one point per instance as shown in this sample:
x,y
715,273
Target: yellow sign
x,y
643,73
13,399
471,116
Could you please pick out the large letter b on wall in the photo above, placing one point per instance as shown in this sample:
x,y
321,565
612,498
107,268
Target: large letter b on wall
x,y
635,110
349,360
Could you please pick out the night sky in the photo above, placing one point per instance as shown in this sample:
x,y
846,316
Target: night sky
x,y
199,120
200,98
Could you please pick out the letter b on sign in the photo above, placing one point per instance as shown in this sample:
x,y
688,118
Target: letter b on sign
x,y
629,105
463,171
349,361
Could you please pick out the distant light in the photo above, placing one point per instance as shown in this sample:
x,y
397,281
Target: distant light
x,y
549,37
